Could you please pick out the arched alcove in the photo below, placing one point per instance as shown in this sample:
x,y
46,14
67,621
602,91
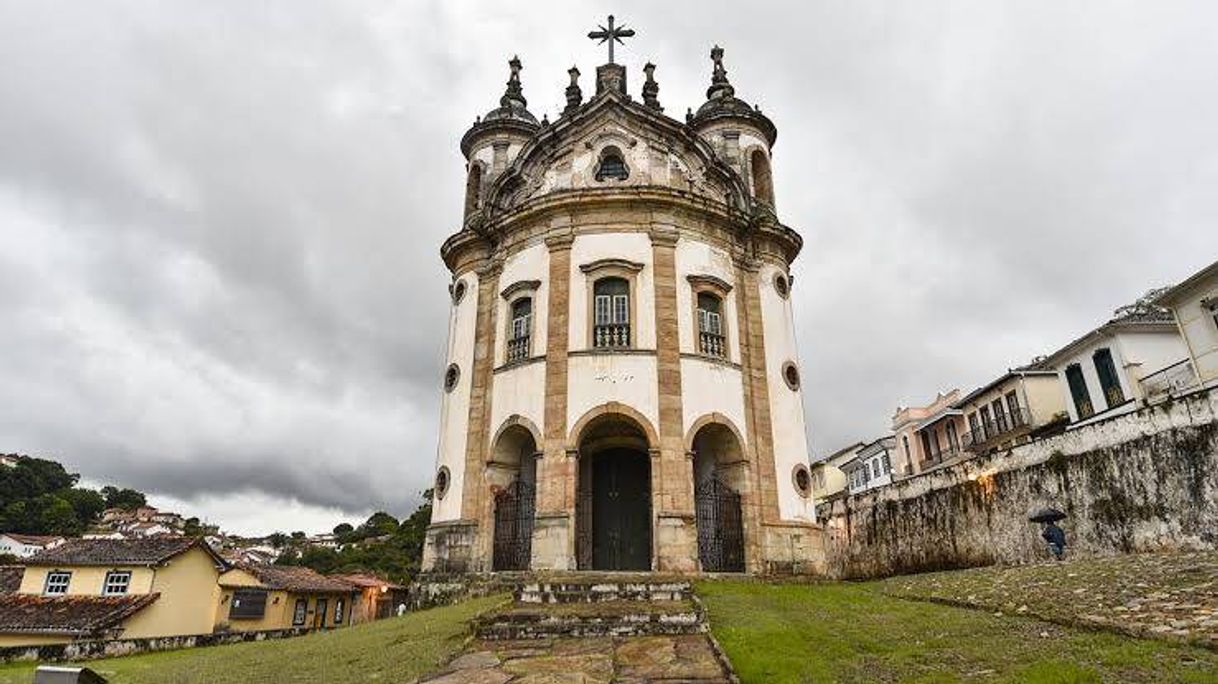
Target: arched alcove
x,y
763,180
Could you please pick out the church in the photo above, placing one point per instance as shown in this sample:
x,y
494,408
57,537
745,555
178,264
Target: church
x,y
622,390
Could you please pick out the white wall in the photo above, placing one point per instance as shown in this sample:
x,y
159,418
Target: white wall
x,y
1135,354
708,387
596,379
786,406
1148,352
454,406
518,391
1198,326
699,258
632,247
530,263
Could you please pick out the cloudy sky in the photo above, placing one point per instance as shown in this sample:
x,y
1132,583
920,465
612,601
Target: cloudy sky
x,y
219,221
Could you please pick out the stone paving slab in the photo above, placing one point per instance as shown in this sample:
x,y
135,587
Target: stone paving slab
x,y
688,659
1162,595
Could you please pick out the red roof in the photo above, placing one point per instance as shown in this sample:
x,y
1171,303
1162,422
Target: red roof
x,y
143,551
72,615
10,578
366,581
33,539
296,578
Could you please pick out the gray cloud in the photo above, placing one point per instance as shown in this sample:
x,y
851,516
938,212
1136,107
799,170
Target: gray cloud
x,y
218,260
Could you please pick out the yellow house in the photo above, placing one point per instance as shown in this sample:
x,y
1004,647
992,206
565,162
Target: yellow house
x,y
1013,409
114,588
264,597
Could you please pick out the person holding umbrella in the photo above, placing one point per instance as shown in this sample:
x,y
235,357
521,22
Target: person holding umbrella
x,y
1053,535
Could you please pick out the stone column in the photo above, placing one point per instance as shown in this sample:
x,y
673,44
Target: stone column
x,y
554,527
762,504
672,486
474,496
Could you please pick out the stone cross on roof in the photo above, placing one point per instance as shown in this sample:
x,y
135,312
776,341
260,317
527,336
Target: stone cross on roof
x,y
611,35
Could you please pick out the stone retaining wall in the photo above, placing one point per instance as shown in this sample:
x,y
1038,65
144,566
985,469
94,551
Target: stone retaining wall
x,y
1144,481
91,649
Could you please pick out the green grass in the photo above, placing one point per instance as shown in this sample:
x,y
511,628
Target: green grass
x,y
836,632
392,650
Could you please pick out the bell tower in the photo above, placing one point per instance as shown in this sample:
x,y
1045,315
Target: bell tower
x,y
622,388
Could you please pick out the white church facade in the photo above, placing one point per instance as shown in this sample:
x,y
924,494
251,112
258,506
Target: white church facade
x,y
623,390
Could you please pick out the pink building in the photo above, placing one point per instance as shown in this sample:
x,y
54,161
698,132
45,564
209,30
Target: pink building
x,y
927,436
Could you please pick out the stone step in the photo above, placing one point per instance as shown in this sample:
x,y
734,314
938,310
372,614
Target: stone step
x,y
599,619
597,592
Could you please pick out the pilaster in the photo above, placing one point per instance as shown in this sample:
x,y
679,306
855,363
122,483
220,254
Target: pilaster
x,y
475,496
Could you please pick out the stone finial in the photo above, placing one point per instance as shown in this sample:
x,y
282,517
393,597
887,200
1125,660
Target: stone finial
x,y
651,89
720,87
513,96
689,114
575,96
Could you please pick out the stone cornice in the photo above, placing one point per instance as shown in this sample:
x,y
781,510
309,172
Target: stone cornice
x,y
518,287
612,263
709,281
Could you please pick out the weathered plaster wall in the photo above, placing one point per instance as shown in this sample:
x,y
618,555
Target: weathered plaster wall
x,y
1139,482
454,407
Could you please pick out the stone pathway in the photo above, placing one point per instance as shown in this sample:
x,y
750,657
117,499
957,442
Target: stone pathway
x,y
688,659
1166,595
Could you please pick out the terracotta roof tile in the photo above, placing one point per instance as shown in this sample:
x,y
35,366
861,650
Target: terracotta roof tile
x,y
10,578
366,581
296,578
32,539
139,551
75,615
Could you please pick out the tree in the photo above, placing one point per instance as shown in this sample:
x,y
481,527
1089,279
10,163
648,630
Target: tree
x,y
127,499
343,529
278,540
381,523
87,504
191,527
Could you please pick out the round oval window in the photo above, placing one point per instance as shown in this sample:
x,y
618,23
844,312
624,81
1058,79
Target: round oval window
x,y
790,374
803,480
782,285
458,291
442,478
451,376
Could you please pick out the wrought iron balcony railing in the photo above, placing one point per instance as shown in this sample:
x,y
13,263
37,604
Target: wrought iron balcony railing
x,y
610,336
518,348
712,344
1168,381
995,428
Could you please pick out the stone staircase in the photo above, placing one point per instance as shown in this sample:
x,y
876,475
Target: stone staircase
x,y
601,605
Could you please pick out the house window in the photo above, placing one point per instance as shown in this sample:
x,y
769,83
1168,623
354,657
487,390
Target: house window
x,y
953,439
1109,383
1018,419
247,604
611,303
340,611
521,329
905,444
710,325
1078,391
57,583
117,582
885,464
926,452
1000,415
301,612
987,423
612,166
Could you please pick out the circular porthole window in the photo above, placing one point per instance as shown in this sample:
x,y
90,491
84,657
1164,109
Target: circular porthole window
x,y
790,374
803,480
458,291
442,478
782,285
451,376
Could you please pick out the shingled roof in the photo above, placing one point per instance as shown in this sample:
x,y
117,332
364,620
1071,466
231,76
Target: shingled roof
x,y
10,578
146,551
72,615
366,581
296,578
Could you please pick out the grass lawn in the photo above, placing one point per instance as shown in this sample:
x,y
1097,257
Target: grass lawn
x,y
392,650
839,632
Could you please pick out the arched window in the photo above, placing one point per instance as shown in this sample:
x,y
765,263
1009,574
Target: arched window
x,y
611,304
521,329
612,165
763,181
710,325
473,187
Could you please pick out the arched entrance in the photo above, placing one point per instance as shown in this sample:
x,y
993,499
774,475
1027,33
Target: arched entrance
x,y
515,459
613,504
717,506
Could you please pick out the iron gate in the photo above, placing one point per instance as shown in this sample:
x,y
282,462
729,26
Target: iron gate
x,y
514,526
720,528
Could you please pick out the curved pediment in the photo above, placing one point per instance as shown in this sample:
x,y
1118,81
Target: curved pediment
x,y
612,142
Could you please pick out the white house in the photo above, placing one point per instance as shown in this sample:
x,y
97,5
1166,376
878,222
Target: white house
x,y
871,465
1101,372
1194,303
26,545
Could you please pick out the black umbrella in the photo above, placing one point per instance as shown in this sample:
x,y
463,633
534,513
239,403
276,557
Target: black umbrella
x,y
1047,515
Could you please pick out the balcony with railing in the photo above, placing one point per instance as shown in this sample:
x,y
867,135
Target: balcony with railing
x,y
1167,382
939,455
518,349
712,344
611,336
1004,425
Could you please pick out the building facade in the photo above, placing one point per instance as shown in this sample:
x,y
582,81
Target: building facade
x,y
1012,409
927,436
623,390
871,466
1194,305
